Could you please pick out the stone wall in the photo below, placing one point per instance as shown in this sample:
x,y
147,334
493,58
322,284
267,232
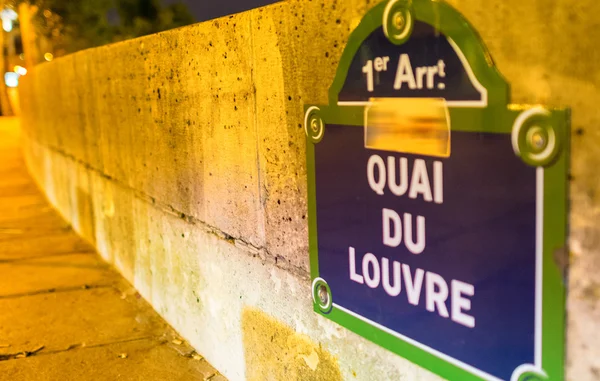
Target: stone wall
x,y
181,156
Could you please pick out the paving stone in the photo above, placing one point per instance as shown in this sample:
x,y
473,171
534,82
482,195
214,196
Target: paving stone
x,y
59,319
32,219
37,246
137,360
55,272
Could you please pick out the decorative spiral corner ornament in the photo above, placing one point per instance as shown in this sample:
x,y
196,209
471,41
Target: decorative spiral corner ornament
x,y
398,21
531,377
528,372
534,138
322,295
313,124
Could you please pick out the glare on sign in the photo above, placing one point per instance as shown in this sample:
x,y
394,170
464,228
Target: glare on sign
x,y
410,125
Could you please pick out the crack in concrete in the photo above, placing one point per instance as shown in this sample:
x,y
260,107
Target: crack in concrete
x,y
254,251
99,266
16,235
38,351
41,256
19,355
53,290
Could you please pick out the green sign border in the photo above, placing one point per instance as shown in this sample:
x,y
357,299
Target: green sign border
x,y
497,116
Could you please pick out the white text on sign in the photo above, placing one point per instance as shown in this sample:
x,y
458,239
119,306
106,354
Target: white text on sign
x,y
402,228
418,78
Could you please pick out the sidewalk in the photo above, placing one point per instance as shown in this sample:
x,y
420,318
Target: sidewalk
x,y
64,313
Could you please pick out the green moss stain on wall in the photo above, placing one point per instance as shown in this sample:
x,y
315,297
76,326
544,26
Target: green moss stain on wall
x,y
85,212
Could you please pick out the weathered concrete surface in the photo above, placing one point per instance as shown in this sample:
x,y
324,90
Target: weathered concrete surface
x,y
66,314
181,155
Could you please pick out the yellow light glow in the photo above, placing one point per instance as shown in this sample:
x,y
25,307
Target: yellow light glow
x,y
20,70
48,56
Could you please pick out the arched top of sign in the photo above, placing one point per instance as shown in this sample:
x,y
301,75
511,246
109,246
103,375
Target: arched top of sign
x,y
473,79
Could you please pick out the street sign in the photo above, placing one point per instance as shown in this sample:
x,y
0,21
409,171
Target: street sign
x,y
437,209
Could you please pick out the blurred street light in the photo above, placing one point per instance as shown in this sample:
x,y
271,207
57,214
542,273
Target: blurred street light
x,y
11,79
8,16
20,70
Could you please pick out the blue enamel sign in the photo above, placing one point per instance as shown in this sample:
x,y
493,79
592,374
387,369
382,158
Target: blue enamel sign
x,y
431,199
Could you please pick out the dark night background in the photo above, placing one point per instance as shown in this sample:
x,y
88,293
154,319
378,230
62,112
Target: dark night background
x,y
75,25
210,9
